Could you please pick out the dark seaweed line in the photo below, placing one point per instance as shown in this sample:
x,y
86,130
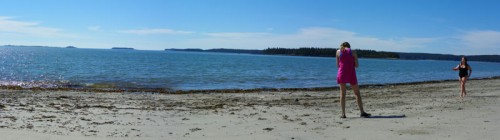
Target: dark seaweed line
x,y
170,91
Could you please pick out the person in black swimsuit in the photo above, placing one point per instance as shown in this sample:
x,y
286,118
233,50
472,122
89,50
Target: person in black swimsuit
x,y
464,72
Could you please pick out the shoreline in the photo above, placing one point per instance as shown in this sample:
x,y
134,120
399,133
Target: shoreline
x,y
411,111
171,91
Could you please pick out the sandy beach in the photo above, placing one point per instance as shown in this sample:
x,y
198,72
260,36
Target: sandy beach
x,y
412,111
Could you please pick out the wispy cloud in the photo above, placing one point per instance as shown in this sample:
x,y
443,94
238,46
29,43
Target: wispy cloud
x,y
233,35
306,37
327,37
482,39
94,28
475,42
155,31
11,26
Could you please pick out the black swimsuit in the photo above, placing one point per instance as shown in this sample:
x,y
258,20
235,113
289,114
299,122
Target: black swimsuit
x,y
462,72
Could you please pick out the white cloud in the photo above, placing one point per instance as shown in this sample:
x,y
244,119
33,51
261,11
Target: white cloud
x,y
10,26
235,35
306,37
94,28
481,39
468,43
155,31
478,42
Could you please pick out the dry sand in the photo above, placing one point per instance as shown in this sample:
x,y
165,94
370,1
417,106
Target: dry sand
x,y
414,111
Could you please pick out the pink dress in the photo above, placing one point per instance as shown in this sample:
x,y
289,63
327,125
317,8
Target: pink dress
x,y
347,71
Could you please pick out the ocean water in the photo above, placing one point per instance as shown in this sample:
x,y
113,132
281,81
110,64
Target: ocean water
x,y
130,69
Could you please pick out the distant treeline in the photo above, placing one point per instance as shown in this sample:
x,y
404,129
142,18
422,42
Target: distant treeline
x,y
330,52
235,51
427,56
327,52
320,52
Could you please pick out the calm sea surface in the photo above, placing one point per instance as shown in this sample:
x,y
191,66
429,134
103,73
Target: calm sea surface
x,y
62,67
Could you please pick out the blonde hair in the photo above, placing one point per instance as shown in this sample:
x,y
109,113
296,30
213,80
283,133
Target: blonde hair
x,y
344,45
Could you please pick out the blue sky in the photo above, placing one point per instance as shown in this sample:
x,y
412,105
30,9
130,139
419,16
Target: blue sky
x,y
463,27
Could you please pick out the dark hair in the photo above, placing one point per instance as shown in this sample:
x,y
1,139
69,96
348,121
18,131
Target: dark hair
x,y
465,61
346,44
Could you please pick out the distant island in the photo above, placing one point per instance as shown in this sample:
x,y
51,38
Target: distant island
x,y
122,48
319,52
330,52
70,47
429,56
324,52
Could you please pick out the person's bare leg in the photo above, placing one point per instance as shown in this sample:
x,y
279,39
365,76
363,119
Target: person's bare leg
x,y
355,88
460,86
464,80
342,99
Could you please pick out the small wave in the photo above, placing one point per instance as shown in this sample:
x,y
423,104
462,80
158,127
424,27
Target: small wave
x,y
67,85
35,84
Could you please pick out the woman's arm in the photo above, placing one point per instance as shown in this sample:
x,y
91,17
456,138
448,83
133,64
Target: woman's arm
x,y
456,68
470,71
337,55
356,64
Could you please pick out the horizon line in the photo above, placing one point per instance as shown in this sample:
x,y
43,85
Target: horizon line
x,y
166,49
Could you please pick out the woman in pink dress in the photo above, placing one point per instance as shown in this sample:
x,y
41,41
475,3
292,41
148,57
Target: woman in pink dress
x,y
347,62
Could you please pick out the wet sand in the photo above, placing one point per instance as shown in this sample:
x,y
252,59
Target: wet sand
x,y
408,111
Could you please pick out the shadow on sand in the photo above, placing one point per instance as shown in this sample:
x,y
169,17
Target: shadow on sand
x,y
388,117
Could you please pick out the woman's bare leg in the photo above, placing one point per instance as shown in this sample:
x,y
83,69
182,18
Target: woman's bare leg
x,y
464,79
355,88
342,98
460,86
